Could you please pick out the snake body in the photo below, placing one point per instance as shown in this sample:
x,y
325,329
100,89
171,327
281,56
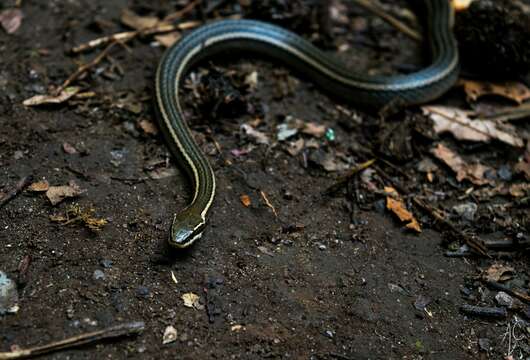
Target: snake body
x,y
284,46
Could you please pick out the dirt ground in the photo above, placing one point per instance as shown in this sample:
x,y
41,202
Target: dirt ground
x,y
326,277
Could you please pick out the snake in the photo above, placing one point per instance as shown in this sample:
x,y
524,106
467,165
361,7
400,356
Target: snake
x,y
231,36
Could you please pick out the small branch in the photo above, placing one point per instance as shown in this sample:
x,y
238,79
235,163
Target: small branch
x,y
84,68
474,244
181,13
268,203
126,329
345,178
126,36
398,24
501,287
21,185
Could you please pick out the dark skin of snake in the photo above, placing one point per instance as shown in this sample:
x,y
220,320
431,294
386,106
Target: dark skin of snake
x,y
290,49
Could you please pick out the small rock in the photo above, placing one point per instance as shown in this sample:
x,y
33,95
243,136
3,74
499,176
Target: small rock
x,y
98,275
329,333
106,263
170,335
322,247
505,173
142,291
466,211
504,299
8,295
484,344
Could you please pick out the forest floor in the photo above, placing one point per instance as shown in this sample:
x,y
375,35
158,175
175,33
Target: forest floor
x,y
285,268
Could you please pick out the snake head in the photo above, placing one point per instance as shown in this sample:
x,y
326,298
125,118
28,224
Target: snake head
x,y
186,228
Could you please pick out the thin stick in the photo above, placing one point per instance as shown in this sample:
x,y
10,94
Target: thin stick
x,y
128,35
345,178
126,329
398,24
21,185
268,203
181,13
84,68
475,244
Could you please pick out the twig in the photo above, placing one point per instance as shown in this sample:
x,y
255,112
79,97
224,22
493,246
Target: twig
x,y
21,185
501,287
123,37
181,13
345,178
84,68
398,24
126,329
474,244
268,203
483,311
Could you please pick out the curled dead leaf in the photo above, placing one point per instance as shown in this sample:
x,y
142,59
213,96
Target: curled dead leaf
x,y
39,186
245,200
191,300
56,194
457,122
11,19
498,273
64,95
472,172
395,203
511,90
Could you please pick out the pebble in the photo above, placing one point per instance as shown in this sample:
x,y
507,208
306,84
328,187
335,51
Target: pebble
x,y
322,247
505,173
329,334
142,291
466,211
8,295
503,299
106,263
98,275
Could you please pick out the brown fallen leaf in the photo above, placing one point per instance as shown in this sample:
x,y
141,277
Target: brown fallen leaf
x,y
314,129
56,194
138,22
463,170
258,136
148,127
519,189
39,186
498,273
457,122
510,90
168,39
245,200
294,147
395,203
66,94
11,19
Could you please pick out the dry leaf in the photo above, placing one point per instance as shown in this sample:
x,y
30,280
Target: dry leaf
x,y
39,186
56,194
245,200
170,335
237,328
294,147
511,90
519,190
66,94
168,39
314,129
148,127
458,123
162,172
191,300
137,22
395,204
260,137
69,149
463,170
461,5
11,19
498,273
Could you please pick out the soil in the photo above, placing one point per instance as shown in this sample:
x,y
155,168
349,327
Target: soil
x,y
321,279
